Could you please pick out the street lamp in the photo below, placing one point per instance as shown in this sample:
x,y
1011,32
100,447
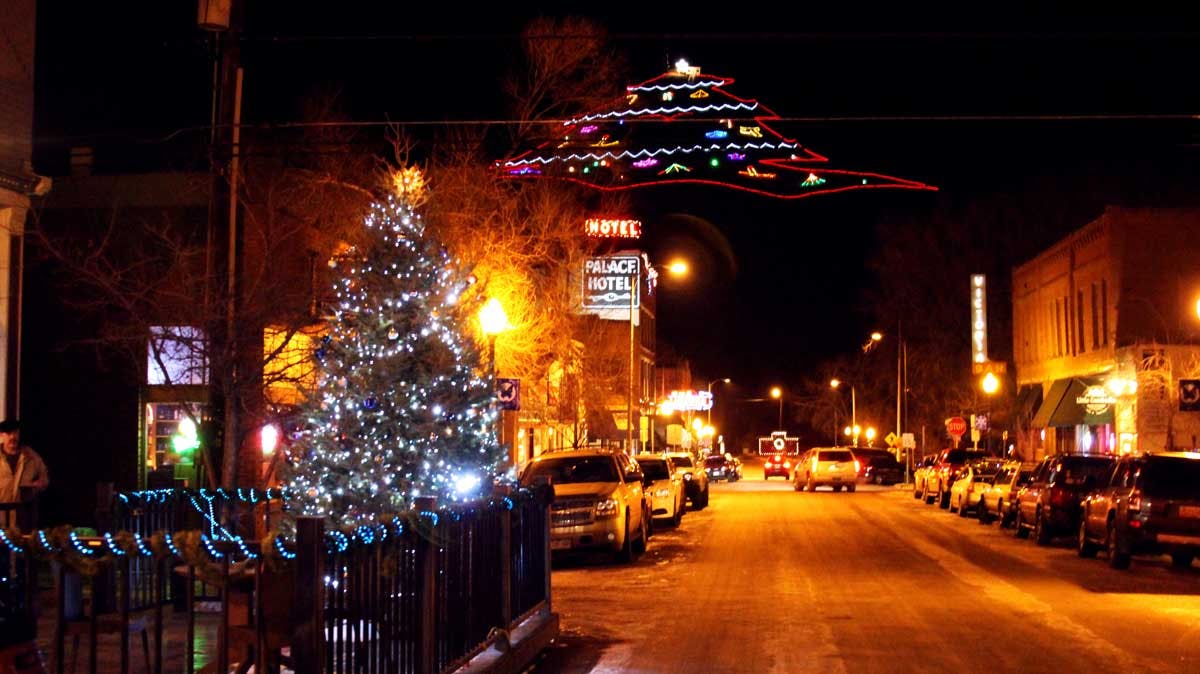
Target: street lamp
x,y
675,268
493,321
990,385
835,383
710,385
777,393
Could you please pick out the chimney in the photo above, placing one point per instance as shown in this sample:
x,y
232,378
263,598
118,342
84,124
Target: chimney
x,y
81,161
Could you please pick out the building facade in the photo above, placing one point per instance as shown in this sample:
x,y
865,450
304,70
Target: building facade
x,y
1106,337
18,183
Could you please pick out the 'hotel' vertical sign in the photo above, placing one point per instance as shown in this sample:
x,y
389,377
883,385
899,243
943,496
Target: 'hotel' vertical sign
x,y
978,318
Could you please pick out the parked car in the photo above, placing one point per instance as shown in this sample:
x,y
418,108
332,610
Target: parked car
x,y
735,465
665,487
921,474
996,500
695,482
1149,505
878,466
944,471
721,467
599,501
777,465
834,467
1049,505
967,489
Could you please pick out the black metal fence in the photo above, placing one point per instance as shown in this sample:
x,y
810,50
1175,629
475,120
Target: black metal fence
x,y
422,593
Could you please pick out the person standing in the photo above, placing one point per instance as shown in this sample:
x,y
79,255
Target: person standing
x,y
23,474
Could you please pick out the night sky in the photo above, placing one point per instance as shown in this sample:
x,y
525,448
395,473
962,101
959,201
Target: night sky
x,y
780,285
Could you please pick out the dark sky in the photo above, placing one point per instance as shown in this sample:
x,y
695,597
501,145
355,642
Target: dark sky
x,y
128,76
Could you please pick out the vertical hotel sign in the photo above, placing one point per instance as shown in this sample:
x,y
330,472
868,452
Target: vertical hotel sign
x,y
978,320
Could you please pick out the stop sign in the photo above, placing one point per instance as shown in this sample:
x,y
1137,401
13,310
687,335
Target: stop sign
x,y
956,426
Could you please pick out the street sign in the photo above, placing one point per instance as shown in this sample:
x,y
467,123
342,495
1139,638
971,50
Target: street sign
x,y
508,393
956,427
909,440
891,439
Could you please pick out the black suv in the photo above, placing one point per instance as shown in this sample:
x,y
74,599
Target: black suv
x,y
1049,505
1148,505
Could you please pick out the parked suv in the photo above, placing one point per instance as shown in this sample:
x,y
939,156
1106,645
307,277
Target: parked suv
x,y
664,486
944,470
1149,505
599,501
1049,505
834,467
695,480
878,466
996,501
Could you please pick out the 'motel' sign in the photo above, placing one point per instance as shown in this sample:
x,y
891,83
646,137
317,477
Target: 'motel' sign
x,y
611,282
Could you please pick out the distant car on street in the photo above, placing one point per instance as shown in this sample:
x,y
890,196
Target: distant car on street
x,y
1049,505
921,474
1150,504
996,500
720,467
968,488
833,467
695,480
777,465
878,466
665,487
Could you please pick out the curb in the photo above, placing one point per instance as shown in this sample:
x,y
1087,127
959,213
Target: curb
x,y
522,646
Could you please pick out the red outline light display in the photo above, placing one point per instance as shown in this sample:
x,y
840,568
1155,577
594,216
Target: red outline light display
x,y
796,171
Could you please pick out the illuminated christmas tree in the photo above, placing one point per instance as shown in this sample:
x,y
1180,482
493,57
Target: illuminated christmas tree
x,y
685,126
401,408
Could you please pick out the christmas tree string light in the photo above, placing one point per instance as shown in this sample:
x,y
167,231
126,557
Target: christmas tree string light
x,y
686,132
403,408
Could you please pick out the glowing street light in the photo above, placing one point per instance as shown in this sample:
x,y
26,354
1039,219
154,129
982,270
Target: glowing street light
x,y
777,393
990,384
493,321
677,268
710,385
835,383
870,434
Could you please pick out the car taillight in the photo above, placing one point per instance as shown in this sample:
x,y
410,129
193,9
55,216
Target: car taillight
x,y
857,466
1059,496
1135,501
787,464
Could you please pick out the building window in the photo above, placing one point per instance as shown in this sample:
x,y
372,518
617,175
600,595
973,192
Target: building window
x,y
1079,321
1058,329
1095,321
176,355
1104,313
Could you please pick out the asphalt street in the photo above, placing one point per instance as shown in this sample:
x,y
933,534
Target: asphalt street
x,y
770,580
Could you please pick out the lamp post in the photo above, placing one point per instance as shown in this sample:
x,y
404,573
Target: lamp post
x,y
835,383
991,386
493,321
777,393
710,385
676,268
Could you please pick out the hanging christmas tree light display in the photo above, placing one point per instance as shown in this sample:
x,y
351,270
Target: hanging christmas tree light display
x,y
685,127
401,409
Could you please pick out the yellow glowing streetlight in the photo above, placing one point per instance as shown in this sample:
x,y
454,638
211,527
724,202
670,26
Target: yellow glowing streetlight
x,y
870,434
678,268
990,384
493,321
876,336
835,383
777,393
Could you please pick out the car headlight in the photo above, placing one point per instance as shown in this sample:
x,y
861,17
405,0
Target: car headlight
x,y
662,493
607,508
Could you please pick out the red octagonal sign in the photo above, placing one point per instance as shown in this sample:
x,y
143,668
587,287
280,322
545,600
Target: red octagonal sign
x,y
956,426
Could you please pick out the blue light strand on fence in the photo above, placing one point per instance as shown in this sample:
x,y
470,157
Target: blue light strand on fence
x,y
79,546
169,538
508,503
112,545
7,541
338,539
44,541
212,552
283,551
141,546
431,515
246,552
365,534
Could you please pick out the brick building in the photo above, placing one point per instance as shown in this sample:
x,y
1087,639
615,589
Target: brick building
x,y
1106,336
18,183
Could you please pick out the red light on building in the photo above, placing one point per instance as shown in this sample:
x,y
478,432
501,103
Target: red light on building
x,y
613,228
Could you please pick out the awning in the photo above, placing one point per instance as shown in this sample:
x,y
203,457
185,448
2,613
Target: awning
x,y
1028,399
1062,409
601,426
